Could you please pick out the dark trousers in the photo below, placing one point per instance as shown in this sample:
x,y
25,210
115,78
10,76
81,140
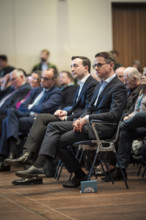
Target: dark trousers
x,y
58,136
131,129
13,124
37,132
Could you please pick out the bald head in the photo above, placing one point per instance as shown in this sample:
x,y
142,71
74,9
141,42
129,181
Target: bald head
x,y
120,73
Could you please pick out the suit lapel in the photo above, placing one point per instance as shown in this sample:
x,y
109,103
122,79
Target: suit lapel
x,y
83,89
107,88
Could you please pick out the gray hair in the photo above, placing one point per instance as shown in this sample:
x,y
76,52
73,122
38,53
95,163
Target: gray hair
x,y
132,72
19,73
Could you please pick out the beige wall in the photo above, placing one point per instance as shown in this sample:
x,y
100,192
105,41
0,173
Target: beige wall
x,y
66,28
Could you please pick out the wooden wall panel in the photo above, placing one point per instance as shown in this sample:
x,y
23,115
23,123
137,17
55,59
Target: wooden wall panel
x,y
129,32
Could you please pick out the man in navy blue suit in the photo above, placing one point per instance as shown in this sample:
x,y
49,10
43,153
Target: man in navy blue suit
x,y
45,99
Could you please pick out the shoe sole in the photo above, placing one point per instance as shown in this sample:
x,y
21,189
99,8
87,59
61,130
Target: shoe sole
x,y
24,176
30,182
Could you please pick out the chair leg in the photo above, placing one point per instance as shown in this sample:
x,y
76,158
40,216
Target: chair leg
x,y
57,169
124,178
93,164
139,169
61,167
144,171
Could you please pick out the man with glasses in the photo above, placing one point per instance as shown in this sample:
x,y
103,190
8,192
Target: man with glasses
x,y
107,104
45,99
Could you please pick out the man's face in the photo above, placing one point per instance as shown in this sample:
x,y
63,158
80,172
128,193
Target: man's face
x,y
34,80
120,73
46,80
17,81
143,78
44,57
130,82
2,63
64,79
102,68
77,69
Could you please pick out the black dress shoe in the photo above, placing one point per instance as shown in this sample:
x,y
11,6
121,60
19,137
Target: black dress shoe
x,y
116,175
4,168
75,182
20,161
28,181
31,172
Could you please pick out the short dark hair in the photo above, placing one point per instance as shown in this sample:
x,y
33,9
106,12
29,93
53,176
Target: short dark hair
x,y
85,60
68,74
24,72
4,58
55,73
108,57
114,52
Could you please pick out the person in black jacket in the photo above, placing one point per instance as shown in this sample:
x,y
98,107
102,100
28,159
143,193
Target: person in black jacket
x,y
4,67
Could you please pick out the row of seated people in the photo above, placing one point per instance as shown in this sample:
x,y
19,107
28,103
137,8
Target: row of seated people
x,y
107,102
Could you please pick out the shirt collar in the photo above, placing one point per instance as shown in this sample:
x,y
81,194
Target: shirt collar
x,y
82,81
108,79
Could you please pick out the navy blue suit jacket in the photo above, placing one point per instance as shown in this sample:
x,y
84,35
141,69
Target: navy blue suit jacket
x,y
20,94
83,100
49,104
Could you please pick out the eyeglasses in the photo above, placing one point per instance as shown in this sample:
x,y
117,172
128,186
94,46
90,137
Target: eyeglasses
x,y
45,78
13,79
99,65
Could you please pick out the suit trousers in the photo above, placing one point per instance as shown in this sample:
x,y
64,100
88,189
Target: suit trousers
x,y
58,137
131,129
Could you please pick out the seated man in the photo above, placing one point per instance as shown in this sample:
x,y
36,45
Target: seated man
x,y
108,102
45,99
6,86
80,70
68,89
21,89
120,73
44,63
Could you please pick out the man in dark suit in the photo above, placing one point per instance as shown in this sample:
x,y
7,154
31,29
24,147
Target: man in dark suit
x,y
108,102
4,67
82,98
21,89
45,99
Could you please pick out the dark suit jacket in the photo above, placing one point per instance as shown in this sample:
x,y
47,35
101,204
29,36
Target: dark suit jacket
x,y
16,97
7,91
131,100
110,106
83,100
68,95
48,104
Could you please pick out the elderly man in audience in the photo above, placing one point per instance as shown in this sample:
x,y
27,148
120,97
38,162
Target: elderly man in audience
x,y
21,89
80,68
6,86
108,102
45,99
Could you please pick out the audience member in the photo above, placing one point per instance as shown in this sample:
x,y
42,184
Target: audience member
x,y
108,102
44,62
45,99
6,86
80,68
137,65
4,67
115,54
68,89
120,73
21,90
